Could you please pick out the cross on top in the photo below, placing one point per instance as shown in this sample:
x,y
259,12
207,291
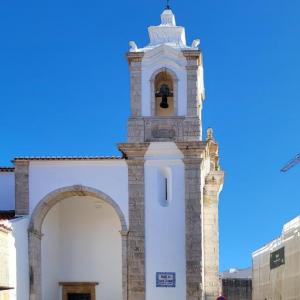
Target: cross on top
x,y
168,6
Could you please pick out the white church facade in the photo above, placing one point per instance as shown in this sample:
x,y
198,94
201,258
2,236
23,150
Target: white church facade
x,y
140,226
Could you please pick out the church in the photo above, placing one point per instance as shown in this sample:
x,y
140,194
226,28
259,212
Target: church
x,y
142,226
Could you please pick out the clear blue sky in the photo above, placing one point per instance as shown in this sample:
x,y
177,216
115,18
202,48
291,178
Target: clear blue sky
x,y
64,90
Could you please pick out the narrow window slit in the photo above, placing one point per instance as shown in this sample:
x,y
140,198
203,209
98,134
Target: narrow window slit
x,y
166,187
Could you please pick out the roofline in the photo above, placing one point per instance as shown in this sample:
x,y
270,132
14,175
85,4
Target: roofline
x,y
59,158
7,169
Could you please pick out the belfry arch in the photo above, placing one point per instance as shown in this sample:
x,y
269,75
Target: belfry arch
x,y
35,233
164,76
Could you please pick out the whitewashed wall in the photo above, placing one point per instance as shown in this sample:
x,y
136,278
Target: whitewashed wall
x,y
19,270
110,177
7,191
82,242
164,222
164,57
51,262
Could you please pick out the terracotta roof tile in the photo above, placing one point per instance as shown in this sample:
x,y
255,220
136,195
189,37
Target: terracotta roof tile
x,y
7,169
7,214
25,158
5,225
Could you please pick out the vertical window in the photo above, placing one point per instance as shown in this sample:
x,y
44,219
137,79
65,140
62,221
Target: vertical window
x,y
166,189
165,186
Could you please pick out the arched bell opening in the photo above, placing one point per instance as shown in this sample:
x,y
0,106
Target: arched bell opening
x,y
164,94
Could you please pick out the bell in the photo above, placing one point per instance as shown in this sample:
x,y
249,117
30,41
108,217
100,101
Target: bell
x,y
164,92
164,102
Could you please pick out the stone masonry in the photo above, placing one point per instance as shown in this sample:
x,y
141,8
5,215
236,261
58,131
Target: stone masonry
x,y
135,64
193,61
193,152
162,129
176,128
22,187
213,186
134,154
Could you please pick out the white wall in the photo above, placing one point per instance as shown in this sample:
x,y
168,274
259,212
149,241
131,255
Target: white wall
x,y
164,224
51,263
110,177
164,57
19,259
7,191
82,242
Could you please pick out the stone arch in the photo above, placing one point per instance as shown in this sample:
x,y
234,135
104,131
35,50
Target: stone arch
x,y
175,88
35,234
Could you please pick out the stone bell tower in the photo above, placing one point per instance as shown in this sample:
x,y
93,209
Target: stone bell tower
x,y
166,62
174,177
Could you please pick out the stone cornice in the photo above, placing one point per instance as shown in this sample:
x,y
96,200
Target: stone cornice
x,y
193,55
133,151
192,150
20,162
134,56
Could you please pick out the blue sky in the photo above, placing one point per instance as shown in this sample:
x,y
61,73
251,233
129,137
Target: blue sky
x,y
64,90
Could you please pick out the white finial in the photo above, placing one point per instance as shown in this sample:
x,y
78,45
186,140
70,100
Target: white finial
x,y
167,32
196,43
168,18
133,46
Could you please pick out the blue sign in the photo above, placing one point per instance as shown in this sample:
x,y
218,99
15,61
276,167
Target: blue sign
x,y
165,279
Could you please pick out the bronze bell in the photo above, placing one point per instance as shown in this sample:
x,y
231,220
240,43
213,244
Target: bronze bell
x,y
164,102
164,93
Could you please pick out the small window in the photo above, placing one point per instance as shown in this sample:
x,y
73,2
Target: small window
x,y
165,188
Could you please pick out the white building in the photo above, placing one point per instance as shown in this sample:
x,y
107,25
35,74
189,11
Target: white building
x,y
140,226
276,266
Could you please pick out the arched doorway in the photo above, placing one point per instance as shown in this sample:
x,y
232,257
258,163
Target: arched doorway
x,y
74,238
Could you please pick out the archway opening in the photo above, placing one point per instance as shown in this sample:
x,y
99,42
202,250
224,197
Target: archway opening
x,y
164,94
81,244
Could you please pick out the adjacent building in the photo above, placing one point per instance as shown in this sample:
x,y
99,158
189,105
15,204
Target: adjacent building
x,y
237,284
6,256
276,266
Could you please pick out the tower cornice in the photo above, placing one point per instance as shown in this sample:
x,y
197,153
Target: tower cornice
x,y
134,56
133,151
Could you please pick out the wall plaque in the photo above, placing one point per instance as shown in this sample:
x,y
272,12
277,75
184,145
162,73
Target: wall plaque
x,y
277,258
167,133
165,279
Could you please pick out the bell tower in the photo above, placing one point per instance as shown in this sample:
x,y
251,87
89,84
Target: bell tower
x,y
167,89
174,176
